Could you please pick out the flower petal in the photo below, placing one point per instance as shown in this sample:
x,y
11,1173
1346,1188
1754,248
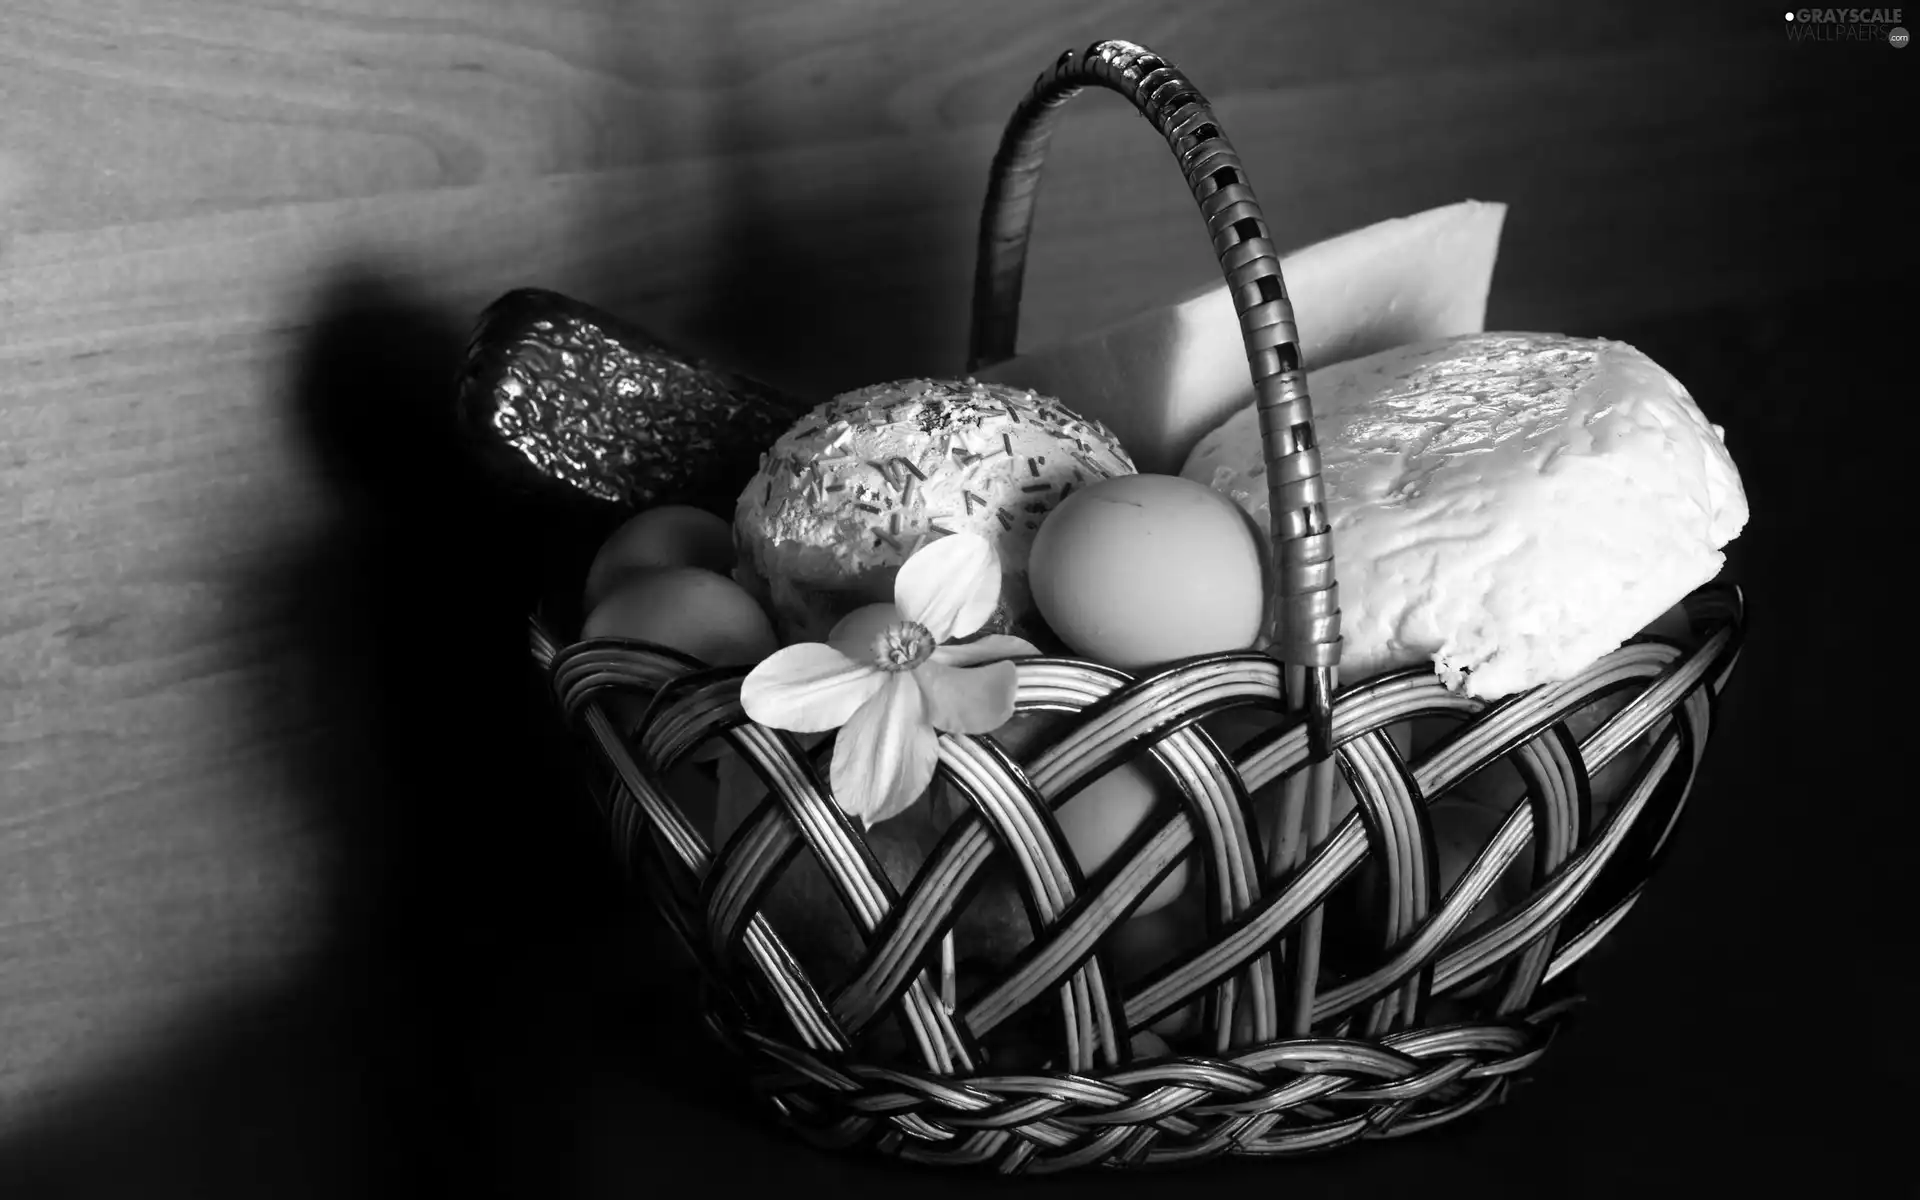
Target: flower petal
x,y
991,648
951,585
807,688
967,700
885,755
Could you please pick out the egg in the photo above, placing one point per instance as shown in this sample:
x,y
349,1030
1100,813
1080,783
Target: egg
x,y
1462,829
696,612
1143,944
1102,817
687,609
855,633
1139,570
1610,782
695,790
1450,1009
1500,786
673,535
805,907
1235,728
1147,1044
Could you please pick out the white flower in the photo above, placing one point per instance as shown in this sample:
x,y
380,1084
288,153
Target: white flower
x,y
888,680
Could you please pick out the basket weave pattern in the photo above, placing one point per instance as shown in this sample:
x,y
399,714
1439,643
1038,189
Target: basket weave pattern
x,y
1298,1057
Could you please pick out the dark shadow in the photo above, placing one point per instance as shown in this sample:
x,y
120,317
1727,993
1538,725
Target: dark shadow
x,y
479,974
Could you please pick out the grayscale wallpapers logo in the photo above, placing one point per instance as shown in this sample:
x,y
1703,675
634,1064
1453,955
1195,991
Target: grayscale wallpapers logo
x,y
1847,25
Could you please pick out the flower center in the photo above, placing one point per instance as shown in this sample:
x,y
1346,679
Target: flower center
x,y
902,647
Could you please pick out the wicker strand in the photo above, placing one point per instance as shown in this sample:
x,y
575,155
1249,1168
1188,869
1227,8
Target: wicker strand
x,y
1303,608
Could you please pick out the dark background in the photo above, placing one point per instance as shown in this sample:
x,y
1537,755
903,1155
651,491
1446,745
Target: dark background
x,y
295,898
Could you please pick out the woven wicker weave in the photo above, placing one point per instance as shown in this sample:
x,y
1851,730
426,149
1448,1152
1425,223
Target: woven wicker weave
x,y
1300,1052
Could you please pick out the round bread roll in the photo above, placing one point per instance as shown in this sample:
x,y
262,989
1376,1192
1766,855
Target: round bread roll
x,y
860,482
1508,506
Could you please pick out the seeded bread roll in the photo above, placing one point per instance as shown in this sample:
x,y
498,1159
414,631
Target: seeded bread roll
x,y
860,482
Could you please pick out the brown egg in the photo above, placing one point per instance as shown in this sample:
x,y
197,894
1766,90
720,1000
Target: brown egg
x,y
1102,817
694,789
688,609
1462,828
1143,944
805,908
855,633
1500,785
674,535
1148,1044
1140,570
1611,781
1234,728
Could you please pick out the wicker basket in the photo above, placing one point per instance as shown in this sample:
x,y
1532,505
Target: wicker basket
x,y
1321,1024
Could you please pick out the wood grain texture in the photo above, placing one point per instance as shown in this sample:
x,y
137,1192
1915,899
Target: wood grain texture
x,y
207,206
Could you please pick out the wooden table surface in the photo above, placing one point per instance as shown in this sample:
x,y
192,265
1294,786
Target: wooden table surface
x,y
258,761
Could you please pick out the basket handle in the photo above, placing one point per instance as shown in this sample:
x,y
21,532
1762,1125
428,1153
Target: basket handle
x,y
1302,605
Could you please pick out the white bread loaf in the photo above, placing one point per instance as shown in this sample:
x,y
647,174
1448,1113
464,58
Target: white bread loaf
x,y
1508,506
